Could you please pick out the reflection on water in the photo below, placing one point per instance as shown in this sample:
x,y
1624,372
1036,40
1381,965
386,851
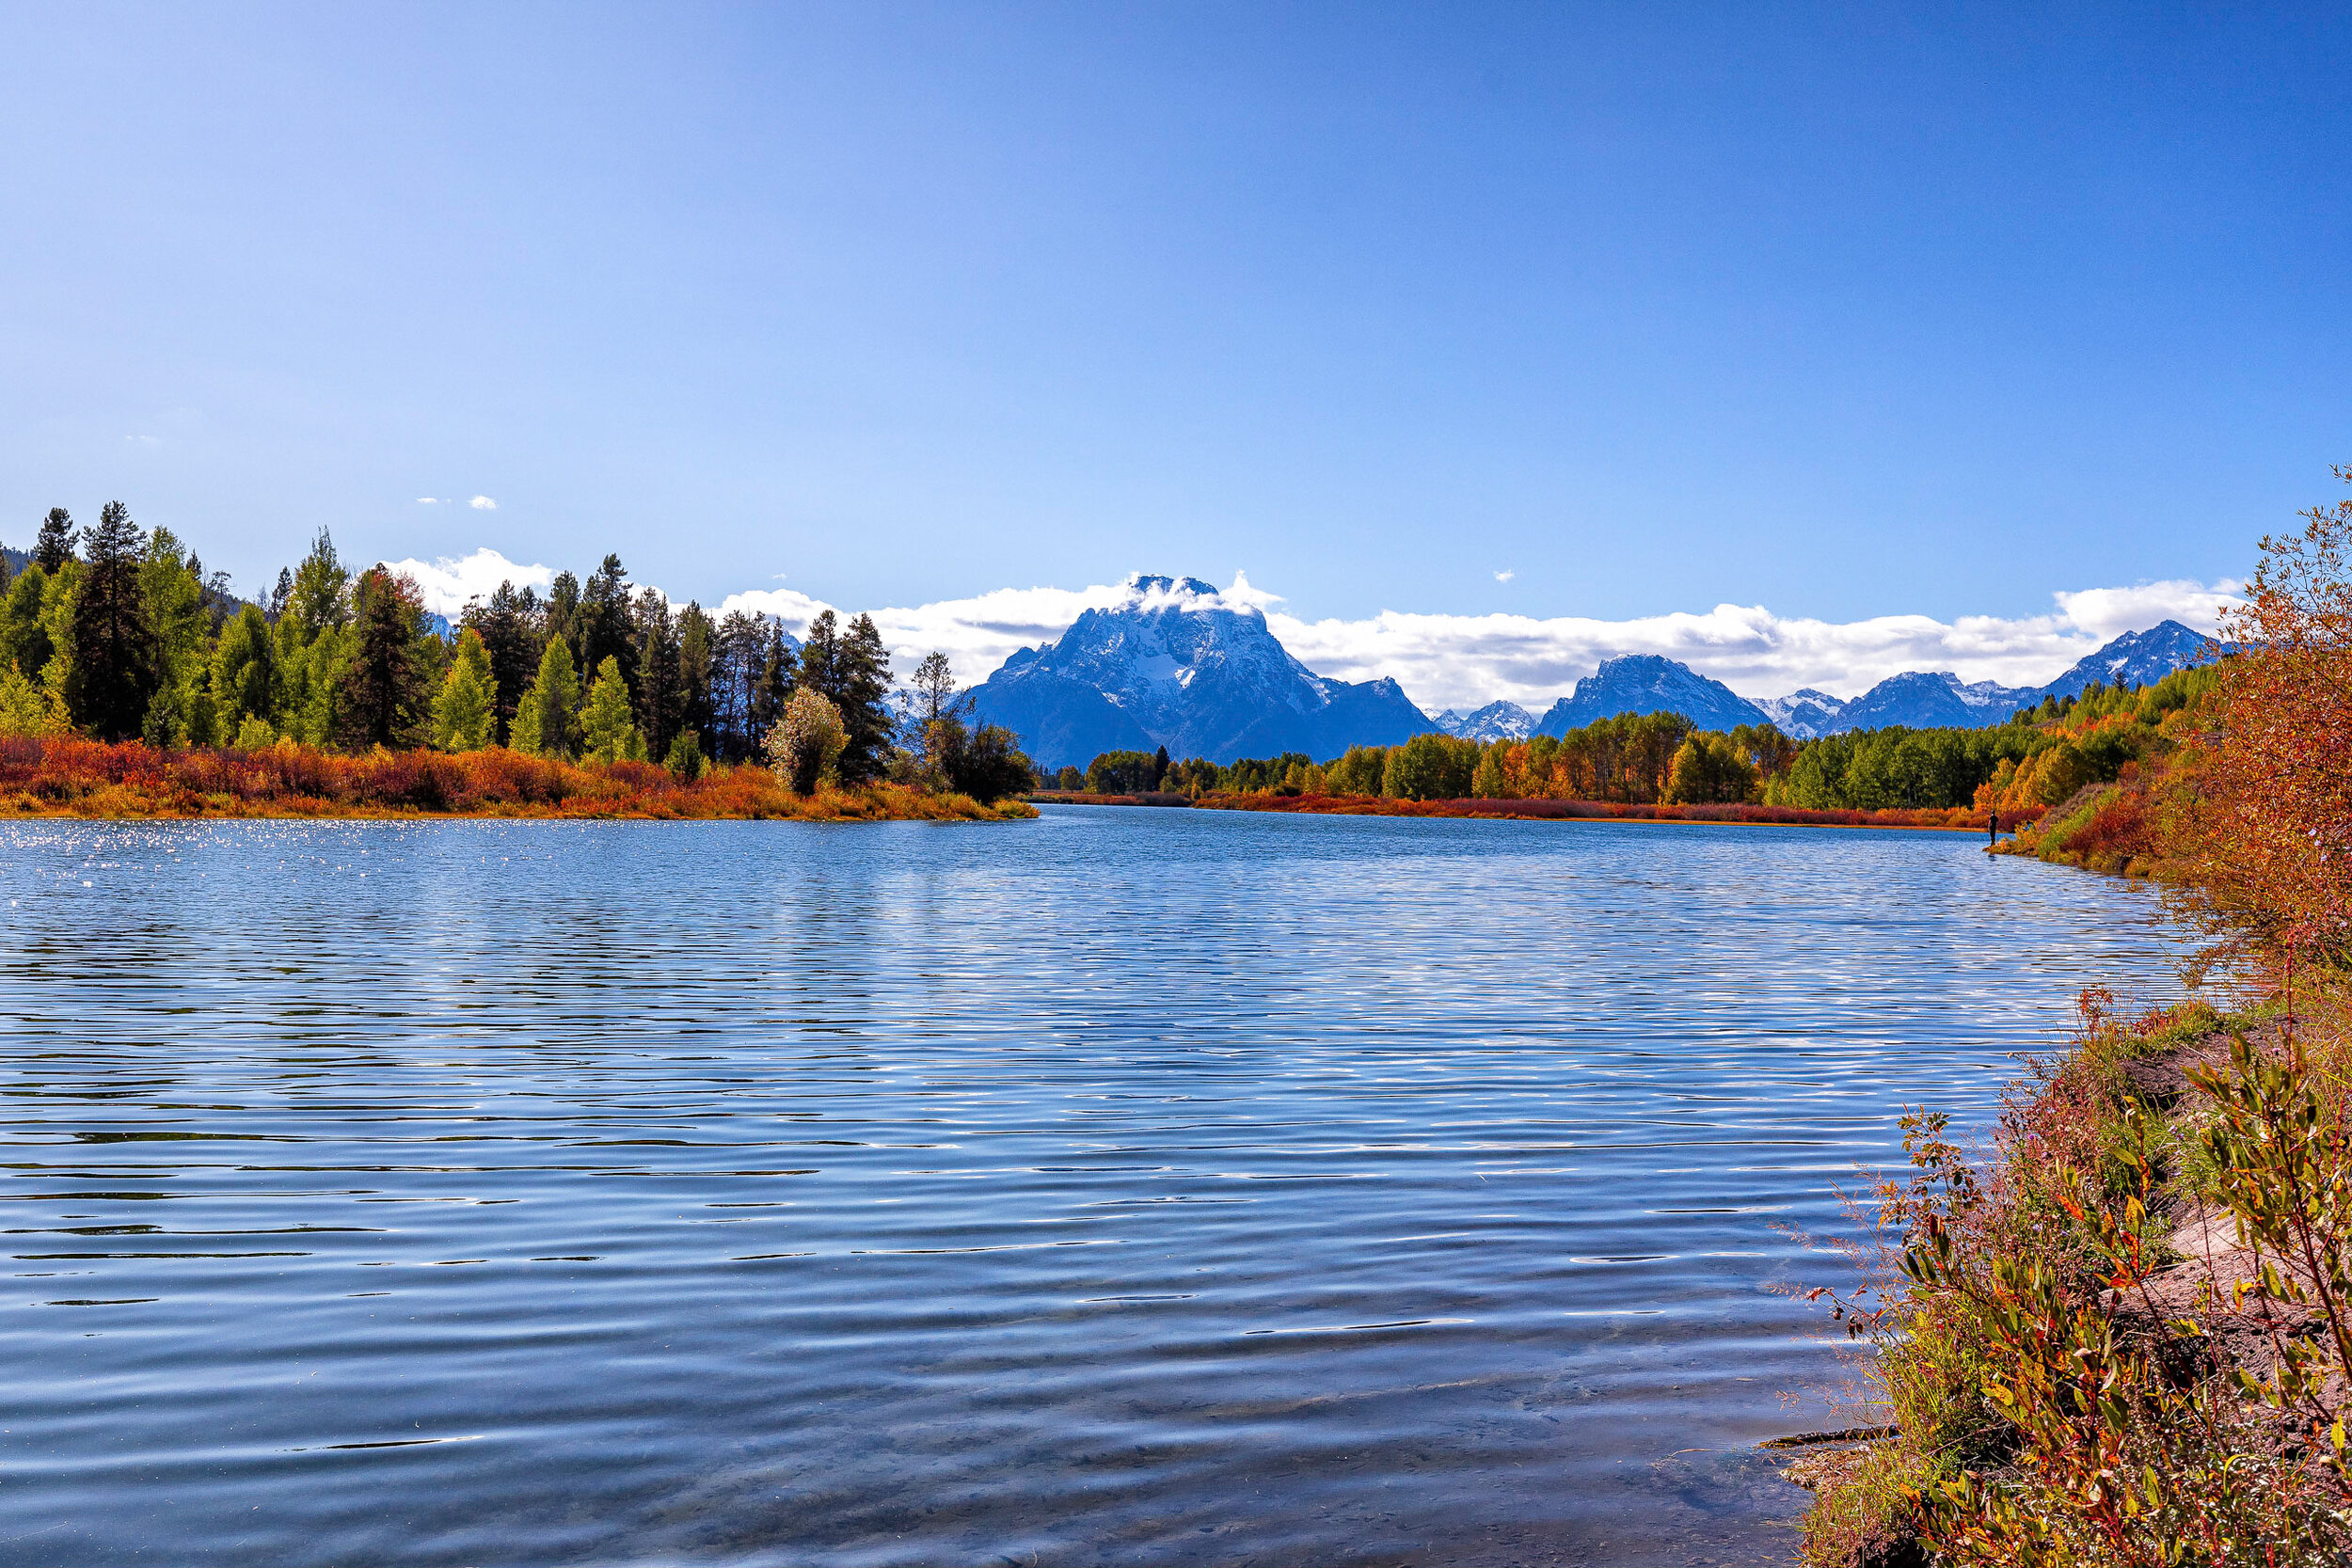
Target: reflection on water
x,y
1128,1186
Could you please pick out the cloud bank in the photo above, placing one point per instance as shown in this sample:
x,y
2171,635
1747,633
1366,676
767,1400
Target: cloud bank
x,y
1465,661
448,582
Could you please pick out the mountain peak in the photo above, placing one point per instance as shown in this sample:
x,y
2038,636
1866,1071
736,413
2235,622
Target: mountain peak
x,y
1176,662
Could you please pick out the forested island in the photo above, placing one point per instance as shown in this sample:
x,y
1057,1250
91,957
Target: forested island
x,y
131,684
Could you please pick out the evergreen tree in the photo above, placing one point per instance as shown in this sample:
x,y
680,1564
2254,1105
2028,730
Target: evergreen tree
x,y
604,724
463,711
245,670
820,656
862,692
780,676
660,688
694,656
54,546
510,626
544,722
608,625
562,615
110,678
383,699
281,595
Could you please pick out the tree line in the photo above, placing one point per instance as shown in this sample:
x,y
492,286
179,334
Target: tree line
x,y
2038,757
114,632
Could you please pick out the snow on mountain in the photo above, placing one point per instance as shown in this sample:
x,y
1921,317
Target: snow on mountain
x,y
1938,701
1917,701
1650,683
1805,714
1495,722
2134,658
1174,664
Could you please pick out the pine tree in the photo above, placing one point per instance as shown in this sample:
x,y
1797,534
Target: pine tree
x,y
608,625
695,654
862,692
660,691
281,595
384,698
54,546
544,722
510,624
111,676
604,724
780,674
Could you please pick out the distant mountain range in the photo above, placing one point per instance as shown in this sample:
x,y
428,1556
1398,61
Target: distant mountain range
x,y
1173,664
1495,722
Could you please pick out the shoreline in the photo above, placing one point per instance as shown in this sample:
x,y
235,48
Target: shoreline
x,y
71,779
1956,820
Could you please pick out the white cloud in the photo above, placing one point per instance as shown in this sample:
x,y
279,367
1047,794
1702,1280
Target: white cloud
x,y
448,582
428,501
483,503
1506,574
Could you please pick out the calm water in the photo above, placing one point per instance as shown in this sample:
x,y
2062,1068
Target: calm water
x,y
1129,1186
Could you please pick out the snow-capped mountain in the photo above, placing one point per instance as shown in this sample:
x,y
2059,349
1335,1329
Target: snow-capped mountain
x,y
1917,701
1802,715
2134,658
1650,683
1934,702
1174,664
1495,722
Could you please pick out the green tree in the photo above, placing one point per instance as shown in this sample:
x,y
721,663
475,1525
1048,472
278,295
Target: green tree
x,y
604,724
111,677
1710,768
25,707
24,641
170,582
660,685
383,696
607,623
54,546
465,710
321,597
696,639
862,692
544,722
1430,767
510,627
245,670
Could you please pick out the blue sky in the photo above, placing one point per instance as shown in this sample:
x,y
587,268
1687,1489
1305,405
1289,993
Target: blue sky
x,y
1653,307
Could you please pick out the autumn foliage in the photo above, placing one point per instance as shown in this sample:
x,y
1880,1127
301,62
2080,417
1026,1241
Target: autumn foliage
x,y
2263,823
69,776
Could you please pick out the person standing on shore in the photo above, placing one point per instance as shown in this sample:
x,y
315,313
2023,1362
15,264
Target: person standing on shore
x,y
1993,828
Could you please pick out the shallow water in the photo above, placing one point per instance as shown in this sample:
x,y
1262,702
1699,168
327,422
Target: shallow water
x,y
1129,1186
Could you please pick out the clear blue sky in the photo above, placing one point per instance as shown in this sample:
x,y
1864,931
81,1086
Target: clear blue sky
x,y
1658,306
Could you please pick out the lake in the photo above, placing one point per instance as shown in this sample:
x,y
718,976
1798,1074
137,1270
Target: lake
x,y
1130,1186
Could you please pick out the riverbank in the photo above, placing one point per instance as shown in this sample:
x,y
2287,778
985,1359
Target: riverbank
x,y
66,777
1958,819
2123,1333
